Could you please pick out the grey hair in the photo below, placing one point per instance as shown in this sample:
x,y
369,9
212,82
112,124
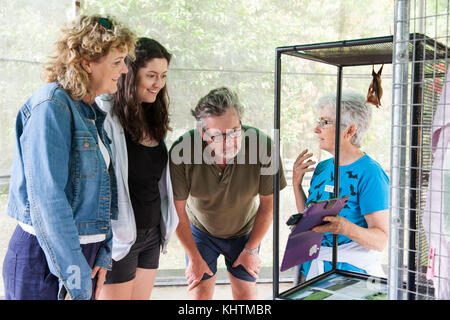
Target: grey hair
x,y
216,103
354,110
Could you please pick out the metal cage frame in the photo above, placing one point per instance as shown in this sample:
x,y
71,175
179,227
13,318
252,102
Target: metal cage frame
x,y
342,54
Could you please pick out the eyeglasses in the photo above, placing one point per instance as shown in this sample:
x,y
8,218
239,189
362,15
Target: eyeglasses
x,y
233,134
323,123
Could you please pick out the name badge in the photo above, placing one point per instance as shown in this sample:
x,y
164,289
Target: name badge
x,y
329,188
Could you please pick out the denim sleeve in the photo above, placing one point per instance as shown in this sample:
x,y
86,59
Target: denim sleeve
x,y
46,148
103,259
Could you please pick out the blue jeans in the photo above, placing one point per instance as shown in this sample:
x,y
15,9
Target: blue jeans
x,y
26,274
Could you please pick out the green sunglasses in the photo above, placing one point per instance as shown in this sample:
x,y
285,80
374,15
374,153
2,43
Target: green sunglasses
x,y
104,22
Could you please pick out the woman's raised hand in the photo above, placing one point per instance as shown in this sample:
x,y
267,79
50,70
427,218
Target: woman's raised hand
x,y
301,166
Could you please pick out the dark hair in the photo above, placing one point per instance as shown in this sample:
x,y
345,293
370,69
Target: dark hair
x,y
139,119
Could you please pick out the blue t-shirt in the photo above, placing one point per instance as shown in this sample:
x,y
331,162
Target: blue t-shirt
x,y
363,181
367,186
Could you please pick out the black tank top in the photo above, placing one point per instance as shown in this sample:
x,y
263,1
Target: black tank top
x,y
145,167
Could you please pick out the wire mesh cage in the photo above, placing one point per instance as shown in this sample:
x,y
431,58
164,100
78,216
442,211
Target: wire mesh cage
x,y
342,54
419,260
419,246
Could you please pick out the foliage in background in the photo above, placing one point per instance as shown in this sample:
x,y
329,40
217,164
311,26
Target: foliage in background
x,y
28,30
232,43
214,43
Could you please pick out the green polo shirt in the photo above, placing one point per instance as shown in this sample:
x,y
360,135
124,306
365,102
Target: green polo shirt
x,y
223,203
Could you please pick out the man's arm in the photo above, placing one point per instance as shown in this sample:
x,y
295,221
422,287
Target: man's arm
x,y
197,266
263,220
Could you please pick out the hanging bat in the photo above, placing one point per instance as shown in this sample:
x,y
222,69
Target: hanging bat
x,y
375,91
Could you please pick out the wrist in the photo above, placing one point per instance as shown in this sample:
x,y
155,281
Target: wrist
x,y
195,257
252,251
347,229
298,189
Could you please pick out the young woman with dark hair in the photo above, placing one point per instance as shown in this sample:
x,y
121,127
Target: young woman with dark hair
x,y
137,122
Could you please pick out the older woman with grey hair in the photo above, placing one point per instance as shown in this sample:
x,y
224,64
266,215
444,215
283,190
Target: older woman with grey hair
x,y
362,226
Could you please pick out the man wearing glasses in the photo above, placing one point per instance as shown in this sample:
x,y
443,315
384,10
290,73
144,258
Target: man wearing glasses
x,y
222,176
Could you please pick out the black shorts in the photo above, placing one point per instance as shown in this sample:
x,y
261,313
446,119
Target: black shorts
x,y
144,253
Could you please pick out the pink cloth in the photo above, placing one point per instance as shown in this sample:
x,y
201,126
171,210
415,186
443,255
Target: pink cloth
x,y
433,215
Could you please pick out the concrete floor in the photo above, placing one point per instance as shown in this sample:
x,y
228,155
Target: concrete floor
x,y
221,292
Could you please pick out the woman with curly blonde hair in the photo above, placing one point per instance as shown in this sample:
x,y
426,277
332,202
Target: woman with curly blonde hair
x,y
63,191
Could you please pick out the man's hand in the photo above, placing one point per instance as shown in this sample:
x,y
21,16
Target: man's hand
x,y
336,225
195,271
101,276
251,262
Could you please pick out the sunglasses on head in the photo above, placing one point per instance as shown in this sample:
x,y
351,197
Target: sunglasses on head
x,y
105,23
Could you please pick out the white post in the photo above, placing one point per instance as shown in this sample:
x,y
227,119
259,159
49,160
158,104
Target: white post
x,y
76,5
400,62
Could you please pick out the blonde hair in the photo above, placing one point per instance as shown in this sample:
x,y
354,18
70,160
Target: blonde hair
x,y
85,38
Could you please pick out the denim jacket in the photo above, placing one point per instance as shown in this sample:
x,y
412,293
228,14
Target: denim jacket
x,y
124,228
60,185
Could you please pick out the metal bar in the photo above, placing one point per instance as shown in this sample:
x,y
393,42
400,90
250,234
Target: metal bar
x,y
76,8
362,276
19,60
276,182
336,155
340,44
303,285
414,163
421,15
398,155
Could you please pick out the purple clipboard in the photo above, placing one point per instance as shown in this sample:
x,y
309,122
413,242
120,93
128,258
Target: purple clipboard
x,y
303,244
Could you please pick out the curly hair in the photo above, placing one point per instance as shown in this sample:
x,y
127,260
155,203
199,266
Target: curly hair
x,y
85,38
142,119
